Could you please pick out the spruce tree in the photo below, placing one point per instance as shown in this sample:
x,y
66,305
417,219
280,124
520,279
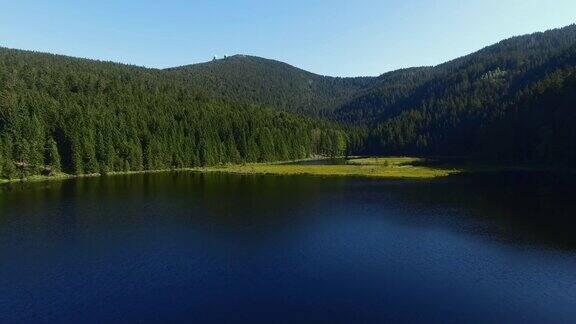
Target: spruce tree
x,y
52,159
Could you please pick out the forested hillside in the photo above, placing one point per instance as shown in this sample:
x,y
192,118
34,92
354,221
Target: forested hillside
x,y
273,83
509,102
513,102
455,108
82,116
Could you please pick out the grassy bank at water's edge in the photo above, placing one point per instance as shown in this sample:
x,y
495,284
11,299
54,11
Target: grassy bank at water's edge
x,y
373,167
387,167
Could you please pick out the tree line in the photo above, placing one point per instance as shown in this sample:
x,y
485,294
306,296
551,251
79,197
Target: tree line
x,y
512,102
82,117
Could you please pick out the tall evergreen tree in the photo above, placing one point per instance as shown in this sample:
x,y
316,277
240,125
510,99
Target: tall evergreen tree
x,y
52,159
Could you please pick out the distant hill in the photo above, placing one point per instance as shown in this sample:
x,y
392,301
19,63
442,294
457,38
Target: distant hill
x,y
270,83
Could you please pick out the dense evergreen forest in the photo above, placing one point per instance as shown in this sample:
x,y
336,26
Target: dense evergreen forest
x,y
81,116
271,83
507,103
512,102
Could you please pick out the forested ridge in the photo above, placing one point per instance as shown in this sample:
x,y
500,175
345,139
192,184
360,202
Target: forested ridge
x,y
80,116
512,102
271,82
489,106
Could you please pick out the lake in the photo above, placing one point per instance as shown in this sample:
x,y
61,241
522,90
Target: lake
x,y
181,247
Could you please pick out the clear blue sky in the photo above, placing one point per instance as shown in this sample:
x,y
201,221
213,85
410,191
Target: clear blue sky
x,y
331,37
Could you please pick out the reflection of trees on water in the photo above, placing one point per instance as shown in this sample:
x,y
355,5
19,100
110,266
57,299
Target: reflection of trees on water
x,y
535,209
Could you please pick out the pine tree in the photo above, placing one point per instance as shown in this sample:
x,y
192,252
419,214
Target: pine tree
x,y
52,158
77,164
9,167
2,161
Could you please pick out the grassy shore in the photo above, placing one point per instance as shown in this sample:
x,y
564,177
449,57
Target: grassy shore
x,y
381,167
38,178
389,167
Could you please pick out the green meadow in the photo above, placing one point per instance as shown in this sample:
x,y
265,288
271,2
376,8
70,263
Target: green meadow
x,y
381,167
385,167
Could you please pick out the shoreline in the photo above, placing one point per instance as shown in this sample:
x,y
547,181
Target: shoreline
x,y
67,176
371,167
389,168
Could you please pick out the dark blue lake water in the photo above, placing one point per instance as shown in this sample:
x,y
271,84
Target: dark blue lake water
x,y
226,248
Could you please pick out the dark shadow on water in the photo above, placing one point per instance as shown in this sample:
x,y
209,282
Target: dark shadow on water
x,y
533,208
515,207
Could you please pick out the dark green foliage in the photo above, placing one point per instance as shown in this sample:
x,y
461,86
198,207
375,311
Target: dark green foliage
x,y
52,159
540,125
82,117
449,109
270,83
510,102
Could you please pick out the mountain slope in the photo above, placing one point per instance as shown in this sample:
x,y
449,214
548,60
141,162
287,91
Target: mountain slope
x,y
510,61
270,83
447,109
84,116
509,102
